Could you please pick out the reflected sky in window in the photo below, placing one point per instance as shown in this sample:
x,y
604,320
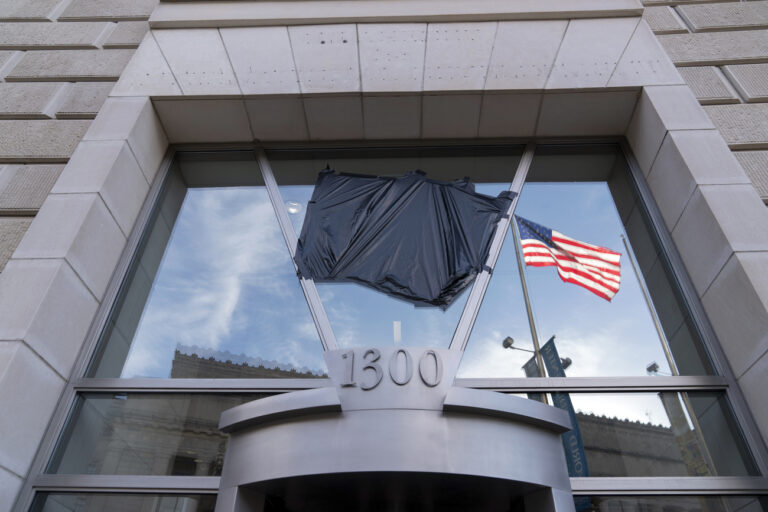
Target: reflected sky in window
x,y
226,289
601,338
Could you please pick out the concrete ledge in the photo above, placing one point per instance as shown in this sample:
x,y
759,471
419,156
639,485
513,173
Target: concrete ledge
x,y
305,12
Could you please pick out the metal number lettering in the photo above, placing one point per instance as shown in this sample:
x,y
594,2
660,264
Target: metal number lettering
x,y
393,364
372,366
438,369
349,380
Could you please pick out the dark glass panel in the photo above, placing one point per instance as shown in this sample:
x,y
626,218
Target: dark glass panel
x,y
145,434
671,503
80,502
656,434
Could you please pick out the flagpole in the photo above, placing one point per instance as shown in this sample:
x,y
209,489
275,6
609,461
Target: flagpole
x,y
651,309
528,308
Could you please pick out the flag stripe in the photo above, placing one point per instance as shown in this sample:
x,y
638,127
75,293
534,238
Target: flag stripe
x,y
590,266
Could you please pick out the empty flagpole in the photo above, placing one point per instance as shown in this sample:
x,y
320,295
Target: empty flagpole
x,y
651,310
531,322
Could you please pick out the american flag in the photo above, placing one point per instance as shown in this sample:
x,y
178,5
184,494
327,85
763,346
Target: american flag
x,y
595,268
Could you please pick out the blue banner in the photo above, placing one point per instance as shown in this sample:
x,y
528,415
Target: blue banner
x,y
574,447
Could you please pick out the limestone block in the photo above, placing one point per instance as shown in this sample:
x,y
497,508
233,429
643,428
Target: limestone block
x,y
458,55
36,141
30,389
26,100
127,34
277,118
586,113
751,80
663,20
223,120
450,116
742,126
718,221
523,54
147,73
334,117
80,229
725,16
392,117
12,229
198,60
755,164
134,120
737,306
70,65
714,48
109,169
11,482
45,304
8,59
114,10
708,84
23,188
40,36
753,384
509,115
392,56
27,10
84,100
644,62
689,158
262,59
326,58
660,109
590,52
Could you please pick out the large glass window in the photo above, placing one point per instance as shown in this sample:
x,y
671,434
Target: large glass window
x,y
211,292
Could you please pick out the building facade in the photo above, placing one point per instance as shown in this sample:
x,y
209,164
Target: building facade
x,y
224,112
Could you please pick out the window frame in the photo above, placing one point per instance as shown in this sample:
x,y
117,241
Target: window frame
x,y
723,380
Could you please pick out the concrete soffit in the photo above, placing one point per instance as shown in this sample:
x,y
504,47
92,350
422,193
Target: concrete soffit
x,y
489,79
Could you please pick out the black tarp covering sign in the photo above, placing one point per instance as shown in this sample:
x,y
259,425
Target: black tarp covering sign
x,y
417,239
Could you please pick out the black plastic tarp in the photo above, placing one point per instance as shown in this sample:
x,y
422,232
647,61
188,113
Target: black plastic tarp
x,y
417,239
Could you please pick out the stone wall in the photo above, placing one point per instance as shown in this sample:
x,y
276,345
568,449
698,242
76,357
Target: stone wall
x,y
58,61
721,50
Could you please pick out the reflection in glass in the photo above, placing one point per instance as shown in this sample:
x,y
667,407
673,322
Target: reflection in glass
x,y
585,192
671,503
659,434
360,315
213,293
52,502
145,434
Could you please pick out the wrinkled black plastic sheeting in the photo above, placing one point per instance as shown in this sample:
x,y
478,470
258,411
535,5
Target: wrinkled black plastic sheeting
x,y
417,239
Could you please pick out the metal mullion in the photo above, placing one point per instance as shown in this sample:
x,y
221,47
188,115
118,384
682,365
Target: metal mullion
x,y
327,337
598,384
197,385
145,484
476,294
713,347
669,485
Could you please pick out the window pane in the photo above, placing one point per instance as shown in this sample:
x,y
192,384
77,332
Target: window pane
x,y
585,192
671,503
358,314
145,434
656,434
51,502
213,293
